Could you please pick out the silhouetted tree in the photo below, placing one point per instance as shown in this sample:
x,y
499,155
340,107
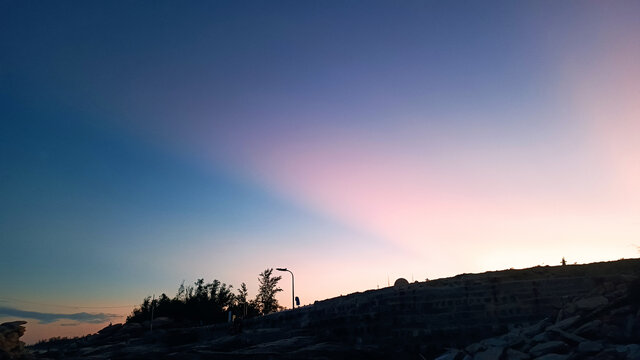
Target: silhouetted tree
x,y
242,305
202,303
266,297
242,293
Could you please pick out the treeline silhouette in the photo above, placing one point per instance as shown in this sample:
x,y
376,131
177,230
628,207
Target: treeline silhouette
x,y
209,303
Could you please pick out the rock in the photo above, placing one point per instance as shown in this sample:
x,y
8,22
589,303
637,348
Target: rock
x,y
630,324
592,302
110,329
553,357
569,309
540,338
634,352
452,354
162,322
613,332
624,310
589,329
590,347
622,349
548,347
132,328
569,336
492,353
536,328
564,324
512,354
10,345
475,347
511,339
496,342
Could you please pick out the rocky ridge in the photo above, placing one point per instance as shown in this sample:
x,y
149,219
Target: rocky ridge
x,y
605,324
564,312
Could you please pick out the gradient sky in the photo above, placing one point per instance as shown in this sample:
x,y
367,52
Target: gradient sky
x,y
147,143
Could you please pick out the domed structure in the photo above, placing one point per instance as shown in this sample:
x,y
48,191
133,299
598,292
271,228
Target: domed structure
x,y
401,282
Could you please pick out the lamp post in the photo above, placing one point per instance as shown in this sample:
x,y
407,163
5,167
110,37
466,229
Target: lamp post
x,y
293,296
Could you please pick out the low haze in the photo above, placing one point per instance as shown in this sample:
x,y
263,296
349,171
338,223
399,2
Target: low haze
x,y
143,144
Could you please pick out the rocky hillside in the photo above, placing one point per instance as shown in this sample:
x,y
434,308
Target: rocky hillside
x,y
605,324
564,312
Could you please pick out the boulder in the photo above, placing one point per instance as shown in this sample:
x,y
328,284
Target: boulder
x,y
589,329
548,347
541,338
553,357
592,302
564,324
634,352
512,354
573,338
452,354
590,347
536,328
475,347
489,354
10,345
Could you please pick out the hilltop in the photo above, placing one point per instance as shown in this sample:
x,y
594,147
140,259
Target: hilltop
x,y
550,312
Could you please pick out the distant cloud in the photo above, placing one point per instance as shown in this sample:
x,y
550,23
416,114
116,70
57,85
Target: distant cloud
x,y
47,318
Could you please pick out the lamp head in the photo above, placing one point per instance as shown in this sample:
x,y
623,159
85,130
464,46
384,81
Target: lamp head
x,y
281,269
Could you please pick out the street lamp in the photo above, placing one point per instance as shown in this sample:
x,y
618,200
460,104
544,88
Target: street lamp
x,y
293,296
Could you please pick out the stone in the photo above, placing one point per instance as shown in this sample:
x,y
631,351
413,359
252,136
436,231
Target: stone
x,y
512,354
540,338
590,347
569,336
634,352
592,302
131,327
569,309
491,353
511,339
564,324
536,328
475,347
108,330
622,349
10,345
496,342
624,310
614,333
590,328
452,354
552,357
548,347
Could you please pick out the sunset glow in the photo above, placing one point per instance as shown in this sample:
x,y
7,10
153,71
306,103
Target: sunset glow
x,y
146,144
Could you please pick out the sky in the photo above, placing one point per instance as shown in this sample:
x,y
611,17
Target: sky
x,y
147,143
